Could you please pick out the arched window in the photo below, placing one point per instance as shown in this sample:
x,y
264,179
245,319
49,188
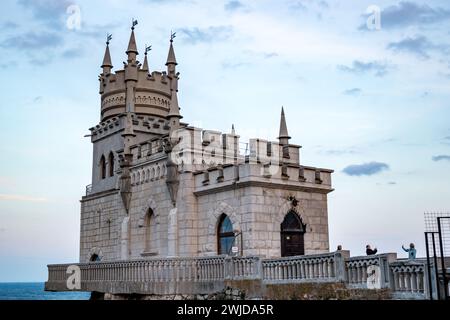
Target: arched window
x,y
292,235
102,167
94,258
225,235
111,164
150,231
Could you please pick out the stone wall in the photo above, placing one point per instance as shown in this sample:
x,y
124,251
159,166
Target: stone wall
x,y
191,229
255,290
100,227
258,212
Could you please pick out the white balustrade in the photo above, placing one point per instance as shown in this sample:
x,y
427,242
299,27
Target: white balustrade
x,y
409,276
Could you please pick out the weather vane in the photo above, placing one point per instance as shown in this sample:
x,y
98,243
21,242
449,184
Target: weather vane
x,y
133,24
172,36
147,49
108,38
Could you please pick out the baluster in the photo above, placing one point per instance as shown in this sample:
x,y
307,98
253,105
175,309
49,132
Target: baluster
x,y
364,275
413,283
396,281
321,268
419,281
407,281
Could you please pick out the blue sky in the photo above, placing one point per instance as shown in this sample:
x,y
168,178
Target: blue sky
x,y
371,104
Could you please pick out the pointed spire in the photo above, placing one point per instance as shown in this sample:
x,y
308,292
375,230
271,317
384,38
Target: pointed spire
x,y
284,136
233,132
145,66
171,60
132,48
107,64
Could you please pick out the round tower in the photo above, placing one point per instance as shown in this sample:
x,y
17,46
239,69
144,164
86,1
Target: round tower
x,y
135,88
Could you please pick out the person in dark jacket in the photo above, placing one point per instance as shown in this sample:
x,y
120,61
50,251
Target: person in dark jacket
x,y
370,251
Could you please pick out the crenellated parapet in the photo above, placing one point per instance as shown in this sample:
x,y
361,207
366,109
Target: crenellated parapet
x,y
152,94
141,123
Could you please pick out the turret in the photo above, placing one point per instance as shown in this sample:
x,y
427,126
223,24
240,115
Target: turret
x,y
174,115
132,48
284,137
107,64
131,71
137,89
145,65
171,60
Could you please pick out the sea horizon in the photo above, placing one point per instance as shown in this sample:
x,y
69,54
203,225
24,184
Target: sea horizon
x,y
35,291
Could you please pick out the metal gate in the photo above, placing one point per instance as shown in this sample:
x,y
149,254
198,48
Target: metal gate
x,y
437,242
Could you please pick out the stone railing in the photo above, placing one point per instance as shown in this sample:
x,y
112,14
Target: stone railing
x,y
409,279
358,267
321,267
159,276
204,275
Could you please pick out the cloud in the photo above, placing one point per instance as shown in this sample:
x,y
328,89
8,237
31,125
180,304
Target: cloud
x,y
8,65
417,45
50,12
408,13
365,169
21,198
33,41
441,157
336,152
303,5
378,68
352,92
268,55
9,25
72,53
234,65
206,35
233,6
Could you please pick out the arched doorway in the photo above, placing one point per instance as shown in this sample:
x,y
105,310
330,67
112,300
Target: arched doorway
x,y
292,235
225,235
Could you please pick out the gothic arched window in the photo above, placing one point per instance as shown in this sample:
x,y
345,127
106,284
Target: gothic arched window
x,y
225,235
111,164
102,167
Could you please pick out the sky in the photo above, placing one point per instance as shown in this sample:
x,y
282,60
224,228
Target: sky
x,y
365,86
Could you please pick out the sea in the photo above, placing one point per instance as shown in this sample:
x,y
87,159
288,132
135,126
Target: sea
x,y
35,291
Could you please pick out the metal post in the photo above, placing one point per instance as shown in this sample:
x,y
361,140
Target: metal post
x,y
441,249
430,287
438,286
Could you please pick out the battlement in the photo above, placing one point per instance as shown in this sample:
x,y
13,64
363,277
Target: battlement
x,y
246,174
210,148
151,95
141,123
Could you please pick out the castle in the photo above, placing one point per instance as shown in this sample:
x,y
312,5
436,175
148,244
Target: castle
x,y
163,188
178,212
